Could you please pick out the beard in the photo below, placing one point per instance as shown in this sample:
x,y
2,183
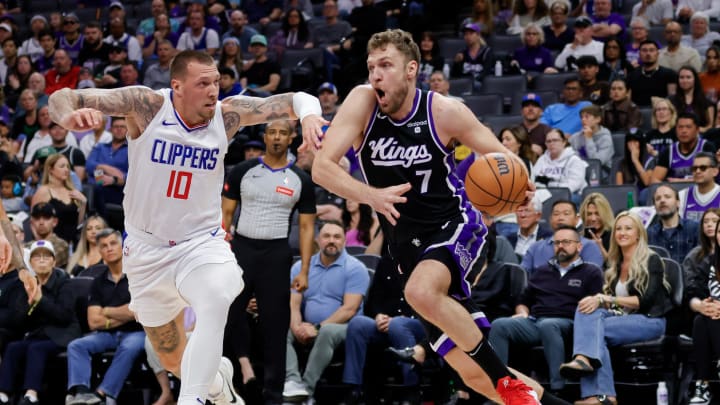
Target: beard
x,y
396,101
331,251
667,214
564,257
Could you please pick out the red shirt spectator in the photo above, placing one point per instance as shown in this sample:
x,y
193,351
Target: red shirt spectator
x,y
63,74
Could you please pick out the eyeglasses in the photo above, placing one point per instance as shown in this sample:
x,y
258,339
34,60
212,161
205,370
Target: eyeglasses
x,y
553,140
565,242
702,168
662,109
43,256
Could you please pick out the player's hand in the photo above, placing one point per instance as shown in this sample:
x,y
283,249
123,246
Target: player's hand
x,y
312,132
300,282
383,201
83,119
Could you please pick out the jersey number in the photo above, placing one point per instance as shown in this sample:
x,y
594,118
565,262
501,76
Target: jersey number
x,y
179,185
425,174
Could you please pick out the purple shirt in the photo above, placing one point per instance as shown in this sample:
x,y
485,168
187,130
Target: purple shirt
x,y
613,18
533,59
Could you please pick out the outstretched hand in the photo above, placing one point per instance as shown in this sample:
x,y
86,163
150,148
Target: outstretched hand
x,y
83,119
312,132
383,200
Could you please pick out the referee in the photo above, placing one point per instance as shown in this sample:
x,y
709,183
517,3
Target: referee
x,y
268,189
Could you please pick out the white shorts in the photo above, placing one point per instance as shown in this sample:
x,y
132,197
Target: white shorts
x,y
155,273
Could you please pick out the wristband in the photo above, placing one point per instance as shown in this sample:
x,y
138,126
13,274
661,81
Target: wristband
x,y
107,323
305,104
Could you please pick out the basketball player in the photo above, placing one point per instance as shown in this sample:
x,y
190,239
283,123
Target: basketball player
x,y
175,254
404,140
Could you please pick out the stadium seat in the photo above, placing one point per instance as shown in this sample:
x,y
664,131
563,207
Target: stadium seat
x,y
449,47
461,86
556,193
551,82
661,251
618,144
355,250
498,122
505,43
485,104
617,195
369,260
679,186
646,118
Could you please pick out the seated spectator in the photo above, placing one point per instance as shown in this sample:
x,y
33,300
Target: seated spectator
x,y
566,115
482,14
476,60
43,221
108,163
710,77
593,141
65,144
12,322
639,31
631,308
163,32
16,82
49,325
656,12
560,165
677,235
547,305
98,135
597,218
526,12
31,46
331,36
594,90
239,30
532,111
686,8
63,74
36,83
228,84
263,11
47,43
615,64
705,193
636,164
114,328
690,98
696,265
40,139
361,224
606,24
11,193
563,213
650,79
148,26
533,56
25,126
157,75
129,74
700,37
530,229
620,114
676,55
95,51
327,94
517,140
388,321
198,37
663,133
674,163
262,75
321,320
430,59
558,34
294,33
118,35
582,44
87,252
231,56
71,39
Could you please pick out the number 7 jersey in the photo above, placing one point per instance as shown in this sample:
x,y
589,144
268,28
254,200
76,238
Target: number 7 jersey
x,y
175,177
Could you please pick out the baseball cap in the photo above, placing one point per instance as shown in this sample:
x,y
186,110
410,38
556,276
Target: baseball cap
x,y
43,210
6,27
586,60
327,86
254,144
582,22
258,39
42,153
531,98
471,27
38,17
42,244
117,4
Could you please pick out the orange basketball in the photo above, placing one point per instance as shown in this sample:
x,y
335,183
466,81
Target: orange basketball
x,y
496,184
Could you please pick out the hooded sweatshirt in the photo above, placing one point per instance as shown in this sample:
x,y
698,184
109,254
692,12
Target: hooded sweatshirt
x,y
568,170
599,147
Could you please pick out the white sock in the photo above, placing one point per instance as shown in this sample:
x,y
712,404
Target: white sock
x,y
216,386
4,397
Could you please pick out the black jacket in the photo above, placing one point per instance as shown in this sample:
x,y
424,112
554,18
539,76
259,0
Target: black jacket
x,y
655,302
385,294
11,315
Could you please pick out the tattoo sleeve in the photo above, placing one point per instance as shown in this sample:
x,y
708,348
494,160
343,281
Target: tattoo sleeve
x,y
18,262
243,110
165,338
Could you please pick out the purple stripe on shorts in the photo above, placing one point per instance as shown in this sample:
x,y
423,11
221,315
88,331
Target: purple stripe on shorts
x,y
445,344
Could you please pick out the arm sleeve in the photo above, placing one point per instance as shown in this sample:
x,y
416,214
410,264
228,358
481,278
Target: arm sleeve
x,y
306,203
231,189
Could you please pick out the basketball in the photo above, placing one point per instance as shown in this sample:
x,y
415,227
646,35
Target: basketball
x,y
496,184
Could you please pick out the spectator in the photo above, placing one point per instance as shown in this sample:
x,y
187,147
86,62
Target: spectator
x,y
98,135
430,59
163,32
476,60
560,165
663,134
564,212
620,114
675,55
533,56
67,145
198,37
94,52
674,163
482,14
27,124
705,193
650,79
240,31
113,325
330,36
12,321
643,304
593,141
263,11
531,113
686,8
50,324
108,75
253,149
40,139
558,34
636,164
439,84
231,56
606,24
615,65
55,21
129,74
710,77
582,44
656,12
696,265
43,220
262,75
228,84
148,26
566,115
8,64
327,93
321,320
31,46
690,98
547,305
361,223
47,43
294,33
36,83
71,40
528,11
388,322
119,36
678,235
530,229
700,37
639,31
597,217
593,90
11,192
63,74
108,162
87,252
17,81
157,75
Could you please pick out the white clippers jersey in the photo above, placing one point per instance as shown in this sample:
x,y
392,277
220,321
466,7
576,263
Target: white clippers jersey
x,y
175,177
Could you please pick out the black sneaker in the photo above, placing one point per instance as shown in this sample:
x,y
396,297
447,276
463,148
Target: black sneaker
x,y
702,394
27,401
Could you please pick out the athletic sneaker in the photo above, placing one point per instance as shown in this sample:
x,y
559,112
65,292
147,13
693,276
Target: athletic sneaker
x,y
702,394
295,392
85,398
228,396
515,392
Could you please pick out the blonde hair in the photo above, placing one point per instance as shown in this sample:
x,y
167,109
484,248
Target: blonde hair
x,y
603,207
83,245
673,111
49,164
402,40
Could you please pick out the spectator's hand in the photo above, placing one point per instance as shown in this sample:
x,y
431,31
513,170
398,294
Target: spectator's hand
x,y
13,81
587,132
300,282
78,196
264,21
304,332
383,200
83,119
459,57
382,322
158,36
347,44
537,149
252,306
106,179
589,304
312,132
650,150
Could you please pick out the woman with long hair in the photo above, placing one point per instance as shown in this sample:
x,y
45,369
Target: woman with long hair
x,y
86,252
691,98
614,65
662,134
518,141
703,291
533,56
361,224
620,113
57,189
293,35
483,15
17,80
528,11
710,77
231,56
631,308
696,265
430,59
597,216
636,164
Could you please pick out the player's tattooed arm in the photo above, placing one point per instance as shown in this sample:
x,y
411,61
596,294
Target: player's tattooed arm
x,y
166,338
243,110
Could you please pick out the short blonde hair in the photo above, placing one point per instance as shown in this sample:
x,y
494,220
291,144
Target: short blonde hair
x,y
603,207
402,40
537,28
656,101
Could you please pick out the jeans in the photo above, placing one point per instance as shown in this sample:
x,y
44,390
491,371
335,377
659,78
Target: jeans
x,y
329,337
402,332
596,331
127,346
550,332
33,353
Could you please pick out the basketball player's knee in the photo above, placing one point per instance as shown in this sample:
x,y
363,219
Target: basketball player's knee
x,y
171,361
419,296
